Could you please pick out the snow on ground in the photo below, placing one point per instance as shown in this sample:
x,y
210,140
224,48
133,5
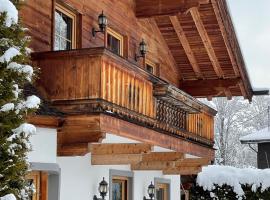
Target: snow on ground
x,y
262,135
10,9
234,177
8,197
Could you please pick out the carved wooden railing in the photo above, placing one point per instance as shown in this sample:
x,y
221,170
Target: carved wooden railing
x,y
169,115
97,81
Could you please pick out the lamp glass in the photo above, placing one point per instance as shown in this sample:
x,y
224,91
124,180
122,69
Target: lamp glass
x,y
143,48
102,21
103,187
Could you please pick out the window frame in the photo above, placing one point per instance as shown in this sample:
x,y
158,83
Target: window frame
x,y
118,36
35,176
68,12
124,181
129,175
164,183
153,65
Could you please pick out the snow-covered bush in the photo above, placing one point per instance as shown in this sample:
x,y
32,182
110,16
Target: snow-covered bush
x,y
15,72
230,183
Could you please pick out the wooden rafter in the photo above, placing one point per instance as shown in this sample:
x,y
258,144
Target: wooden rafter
x,y
163,165
228,93
116,159
184,41
225,37
155,165
151,8
162,156
210,83
187,162
182,171
206,41
122,148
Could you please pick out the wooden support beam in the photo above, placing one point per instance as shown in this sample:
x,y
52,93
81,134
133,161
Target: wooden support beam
x,y
45,121
228,93
122,148
182,171
210,83
151,8
162,156
192,162
185,44
116,159
206,41
164,165
155,165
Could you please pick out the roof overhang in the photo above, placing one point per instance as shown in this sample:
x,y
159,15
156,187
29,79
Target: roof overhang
x,y
203,43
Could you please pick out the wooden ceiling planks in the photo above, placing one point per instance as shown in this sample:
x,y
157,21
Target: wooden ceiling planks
x,y
204,46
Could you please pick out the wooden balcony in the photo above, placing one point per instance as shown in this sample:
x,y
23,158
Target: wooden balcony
x,y
93,81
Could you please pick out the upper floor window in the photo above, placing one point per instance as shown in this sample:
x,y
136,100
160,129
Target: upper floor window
x,y
115,42
151,67
64,28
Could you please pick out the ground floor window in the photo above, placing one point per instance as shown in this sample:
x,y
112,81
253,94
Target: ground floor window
x,y
38,180
121,185
162,189
120,188
33,180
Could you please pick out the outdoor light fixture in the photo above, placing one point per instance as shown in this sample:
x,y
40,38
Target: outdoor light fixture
x,y
102,23
142,49
103,190
150,191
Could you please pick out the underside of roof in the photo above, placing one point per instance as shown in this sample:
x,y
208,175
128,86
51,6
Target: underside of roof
x,y
203,43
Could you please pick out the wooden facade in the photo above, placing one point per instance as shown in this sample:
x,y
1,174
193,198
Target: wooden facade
x,y
192,45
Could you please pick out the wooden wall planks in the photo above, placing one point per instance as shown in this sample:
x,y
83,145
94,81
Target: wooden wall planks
x,y
37,16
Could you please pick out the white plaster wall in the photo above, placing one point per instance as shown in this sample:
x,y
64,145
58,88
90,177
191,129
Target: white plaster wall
x,y
79,179
44,144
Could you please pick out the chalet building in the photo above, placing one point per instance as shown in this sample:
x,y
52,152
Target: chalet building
x,y
262,139
119,81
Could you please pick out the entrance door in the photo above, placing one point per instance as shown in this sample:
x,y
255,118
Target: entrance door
x,y
162,191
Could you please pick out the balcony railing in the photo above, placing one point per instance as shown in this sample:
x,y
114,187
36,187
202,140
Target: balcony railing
x,y
96,80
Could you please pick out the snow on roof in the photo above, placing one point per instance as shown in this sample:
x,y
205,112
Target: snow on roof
x,y
261,136
235,177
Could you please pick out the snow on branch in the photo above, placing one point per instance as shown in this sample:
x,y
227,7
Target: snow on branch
x,y
8,197
216,175
9,54
11,12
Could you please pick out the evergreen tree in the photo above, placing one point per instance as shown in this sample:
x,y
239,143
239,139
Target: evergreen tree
x,y
15,72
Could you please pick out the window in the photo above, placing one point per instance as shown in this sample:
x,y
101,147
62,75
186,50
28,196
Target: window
x,y
64,28
34,181
115,42
120,188
151,67
162,191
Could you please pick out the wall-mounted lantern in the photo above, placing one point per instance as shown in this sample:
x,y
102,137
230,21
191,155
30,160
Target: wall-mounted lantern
x,y
150,191
102,23
142,50
103,190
